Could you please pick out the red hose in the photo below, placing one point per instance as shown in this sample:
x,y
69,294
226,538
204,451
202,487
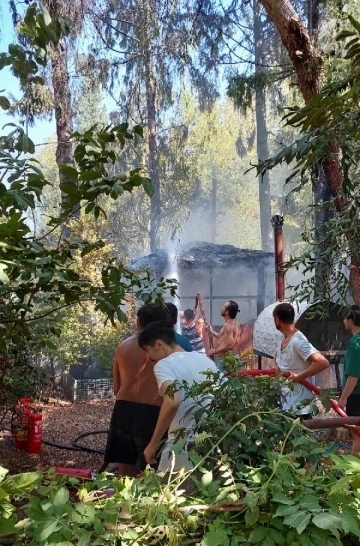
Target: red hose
x,y
335,406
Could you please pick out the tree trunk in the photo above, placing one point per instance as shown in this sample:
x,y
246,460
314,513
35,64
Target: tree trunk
x,y
262,136
152,111
306,60
63,114
214,199
307,63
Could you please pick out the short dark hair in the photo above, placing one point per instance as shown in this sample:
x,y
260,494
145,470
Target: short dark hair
x,y
157,330
232,308
189,314
150,313
173,312
354,315
285,312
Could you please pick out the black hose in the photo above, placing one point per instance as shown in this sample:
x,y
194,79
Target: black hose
x,y
75,446
85,435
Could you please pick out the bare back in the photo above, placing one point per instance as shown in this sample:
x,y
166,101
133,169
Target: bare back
x,y
230,333
134,378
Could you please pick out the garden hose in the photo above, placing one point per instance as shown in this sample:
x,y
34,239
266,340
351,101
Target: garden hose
x,y
75,446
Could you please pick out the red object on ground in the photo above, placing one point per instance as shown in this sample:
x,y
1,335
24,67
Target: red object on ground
x,y
21,419
33,444
335,406
75,472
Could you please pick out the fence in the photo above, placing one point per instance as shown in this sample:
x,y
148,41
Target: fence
x,y
85,389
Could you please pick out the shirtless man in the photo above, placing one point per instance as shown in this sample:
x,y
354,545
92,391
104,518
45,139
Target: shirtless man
x,y
137,405
229,335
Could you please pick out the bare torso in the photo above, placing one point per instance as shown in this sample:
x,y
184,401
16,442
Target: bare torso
x,y
230,333
134,375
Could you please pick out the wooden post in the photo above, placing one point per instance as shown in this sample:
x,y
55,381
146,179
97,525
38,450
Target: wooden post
x,y
277,223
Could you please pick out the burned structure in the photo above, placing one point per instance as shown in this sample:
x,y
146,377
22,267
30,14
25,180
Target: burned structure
x,y
219,273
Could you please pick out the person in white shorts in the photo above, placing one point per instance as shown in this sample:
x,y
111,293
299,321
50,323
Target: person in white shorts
x,y
295,354
173,365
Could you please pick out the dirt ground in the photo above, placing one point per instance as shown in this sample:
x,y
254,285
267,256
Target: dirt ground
x,y
62,423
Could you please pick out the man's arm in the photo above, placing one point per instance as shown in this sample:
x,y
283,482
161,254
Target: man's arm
x,y
227,341
350,385
167,413
199,325
318,363
116,374
212,332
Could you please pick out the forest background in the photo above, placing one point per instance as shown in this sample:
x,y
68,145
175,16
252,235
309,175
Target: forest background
x,y
210,83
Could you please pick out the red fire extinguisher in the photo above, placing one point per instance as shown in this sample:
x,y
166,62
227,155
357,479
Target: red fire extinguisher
x,y
20,423
33,444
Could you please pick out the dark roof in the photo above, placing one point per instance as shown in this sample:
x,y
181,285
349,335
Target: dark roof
x,y
200,254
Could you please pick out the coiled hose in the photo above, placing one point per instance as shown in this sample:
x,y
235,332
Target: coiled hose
x,y
75,446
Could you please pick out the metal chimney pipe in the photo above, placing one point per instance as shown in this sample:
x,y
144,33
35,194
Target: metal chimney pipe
x,y
277,223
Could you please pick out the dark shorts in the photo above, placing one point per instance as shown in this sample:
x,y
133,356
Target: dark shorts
x,y
353,405
131,428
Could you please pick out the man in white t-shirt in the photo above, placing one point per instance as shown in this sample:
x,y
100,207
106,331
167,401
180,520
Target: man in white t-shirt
x,y
173,365
295,354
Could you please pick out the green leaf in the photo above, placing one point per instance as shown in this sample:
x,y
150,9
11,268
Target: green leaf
x,y
277,537
304,540
207,478
47,16
350,524
282,499
22,483
3,276
4,102
7,526
148,187
257,535
299,520
354,23
25,144
84,539
251,517
62,497
68,171
216,537
139,130
47,528
87,176
309,502
286,511
251,499
70,188
327,520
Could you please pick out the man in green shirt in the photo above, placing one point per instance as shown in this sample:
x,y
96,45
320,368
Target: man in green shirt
x,y
350,397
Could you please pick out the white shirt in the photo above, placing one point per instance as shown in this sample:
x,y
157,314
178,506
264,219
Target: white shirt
x,y
294,359
182,366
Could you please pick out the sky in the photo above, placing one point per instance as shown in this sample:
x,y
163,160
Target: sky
x,y
42,129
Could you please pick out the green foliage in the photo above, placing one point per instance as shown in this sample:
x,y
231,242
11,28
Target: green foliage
x,y
241,88
328,127
20,375
39,273
232,496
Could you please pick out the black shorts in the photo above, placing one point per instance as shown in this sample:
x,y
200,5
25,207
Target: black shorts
x,y
131,428
353,405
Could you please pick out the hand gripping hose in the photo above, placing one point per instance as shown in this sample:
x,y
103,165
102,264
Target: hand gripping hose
x,y
335,406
